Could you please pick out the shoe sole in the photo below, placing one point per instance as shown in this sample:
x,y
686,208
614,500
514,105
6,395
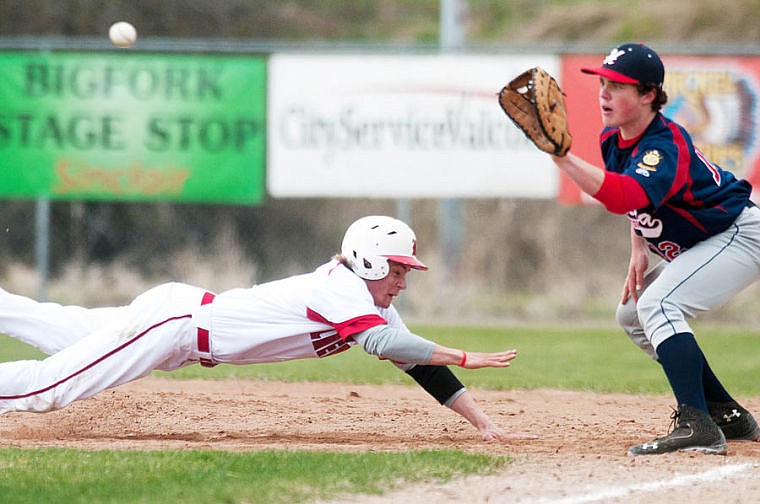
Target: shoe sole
x,y
720,449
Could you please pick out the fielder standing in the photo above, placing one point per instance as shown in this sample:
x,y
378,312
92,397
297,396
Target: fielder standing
x,y
697,217
343,302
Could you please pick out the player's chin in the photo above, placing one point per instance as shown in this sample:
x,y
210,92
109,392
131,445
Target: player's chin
x,y
608,120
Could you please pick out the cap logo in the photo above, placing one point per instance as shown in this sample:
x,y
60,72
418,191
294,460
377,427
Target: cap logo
x,y
613,56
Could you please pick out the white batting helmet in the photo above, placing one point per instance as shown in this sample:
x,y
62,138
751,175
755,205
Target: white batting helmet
x,y
370,242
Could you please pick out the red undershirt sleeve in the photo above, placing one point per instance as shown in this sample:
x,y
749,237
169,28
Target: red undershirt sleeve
x,y
621,193
349,327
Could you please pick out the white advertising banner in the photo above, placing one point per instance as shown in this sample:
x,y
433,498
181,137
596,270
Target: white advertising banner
x,y
400,126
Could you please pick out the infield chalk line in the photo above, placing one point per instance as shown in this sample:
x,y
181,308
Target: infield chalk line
x,y
715,474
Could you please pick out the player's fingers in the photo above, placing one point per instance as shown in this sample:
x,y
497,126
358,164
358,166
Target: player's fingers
x,y
630,288
477,360
636,288
624,295
517,437
503,357
493,434
497,434
639,279
499,361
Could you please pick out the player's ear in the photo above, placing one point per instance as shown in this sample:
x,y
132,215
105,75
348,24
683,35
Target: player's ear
x,y
648,96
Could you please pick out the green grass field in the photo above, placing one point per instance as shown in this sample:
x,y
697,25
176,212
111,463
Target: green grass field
x,y
598,359
193,476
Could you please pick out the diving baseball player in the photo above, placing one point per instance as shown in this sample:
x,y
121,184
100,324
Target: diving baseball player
x,y
345,302
697,217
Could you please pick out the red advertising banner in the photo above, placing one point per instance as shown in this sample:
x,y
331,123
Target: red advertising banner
x,y
714,97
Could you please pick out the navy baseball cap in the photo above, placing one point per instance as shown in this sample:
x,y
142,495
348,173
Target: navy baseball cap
x,y
631,64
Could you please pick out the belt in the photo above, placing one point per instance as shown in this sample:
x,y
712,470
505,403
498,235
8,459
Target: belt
x,y
204,348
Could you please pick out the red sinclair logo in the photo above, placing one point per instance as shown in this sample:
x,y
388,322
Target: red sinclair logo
x,y
134,178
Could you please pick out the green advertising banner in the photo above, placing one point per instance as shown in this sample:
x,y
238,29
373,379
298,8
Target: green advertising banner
x,y
132,126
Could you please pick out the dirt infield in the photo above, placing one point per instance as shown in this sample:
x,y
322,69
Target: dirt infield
x,y
577,455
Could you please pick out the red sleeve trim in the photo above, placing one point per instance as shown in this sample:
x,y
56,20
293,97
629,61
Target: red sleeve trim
x,y
348,328
621,193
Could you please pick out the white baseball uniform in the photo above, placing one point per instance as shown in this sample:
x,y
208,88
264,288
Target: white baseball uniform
x,y
173,325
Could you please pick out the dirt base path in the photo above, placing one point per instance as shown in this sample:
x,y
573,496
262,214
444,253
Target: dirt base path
x,y
578,454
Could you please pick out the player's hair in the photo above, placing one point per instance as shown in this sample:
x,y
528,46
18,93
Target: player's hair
x,y
343,260
660,97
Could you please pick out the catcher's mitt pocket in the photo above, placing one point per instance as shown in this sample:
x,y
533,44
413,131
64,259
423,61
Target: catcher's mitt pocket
x,y
535,103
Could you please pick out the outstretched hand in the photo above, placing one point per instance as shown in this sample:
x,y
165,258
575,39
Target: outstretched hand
x,y
476,360
466,406
637,268
492,433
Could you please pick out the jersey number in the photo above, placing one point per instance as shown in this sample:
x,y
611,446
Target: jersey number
x,y
667,250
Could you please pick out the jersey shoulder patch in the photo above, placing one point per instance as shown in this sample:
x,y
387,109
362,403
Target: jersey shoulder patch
x,y
649,162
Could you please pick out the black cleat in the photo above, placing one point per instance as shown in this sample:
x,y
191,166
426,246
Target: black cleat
x,y
691,430
736,422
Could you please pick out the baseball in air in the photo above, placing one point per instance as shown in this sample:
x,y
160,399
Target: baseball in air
x,y
122,34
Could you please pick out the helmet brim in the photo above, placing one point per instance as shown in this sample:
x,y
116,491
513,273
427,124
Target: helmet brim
x,y
410,261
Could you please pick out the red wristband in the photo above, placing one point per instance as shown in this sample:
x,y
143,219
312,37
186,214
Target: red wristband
x,y
464,359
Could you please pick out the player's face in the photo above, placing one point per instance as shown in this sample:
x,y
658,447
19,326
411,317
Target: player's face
x,y
384,290
623,107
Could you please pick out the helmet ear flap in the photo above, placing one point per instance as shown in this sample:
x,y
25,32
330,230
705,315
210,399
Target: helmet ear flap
x,y
371,267
366,268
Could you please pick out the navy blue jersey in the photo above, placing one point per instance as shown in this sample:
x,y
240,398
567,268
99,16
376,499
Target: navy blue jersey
x,y
690,198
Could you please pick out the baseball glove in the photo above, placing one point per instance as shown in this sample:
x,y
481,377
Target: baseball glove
x,y
536,104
